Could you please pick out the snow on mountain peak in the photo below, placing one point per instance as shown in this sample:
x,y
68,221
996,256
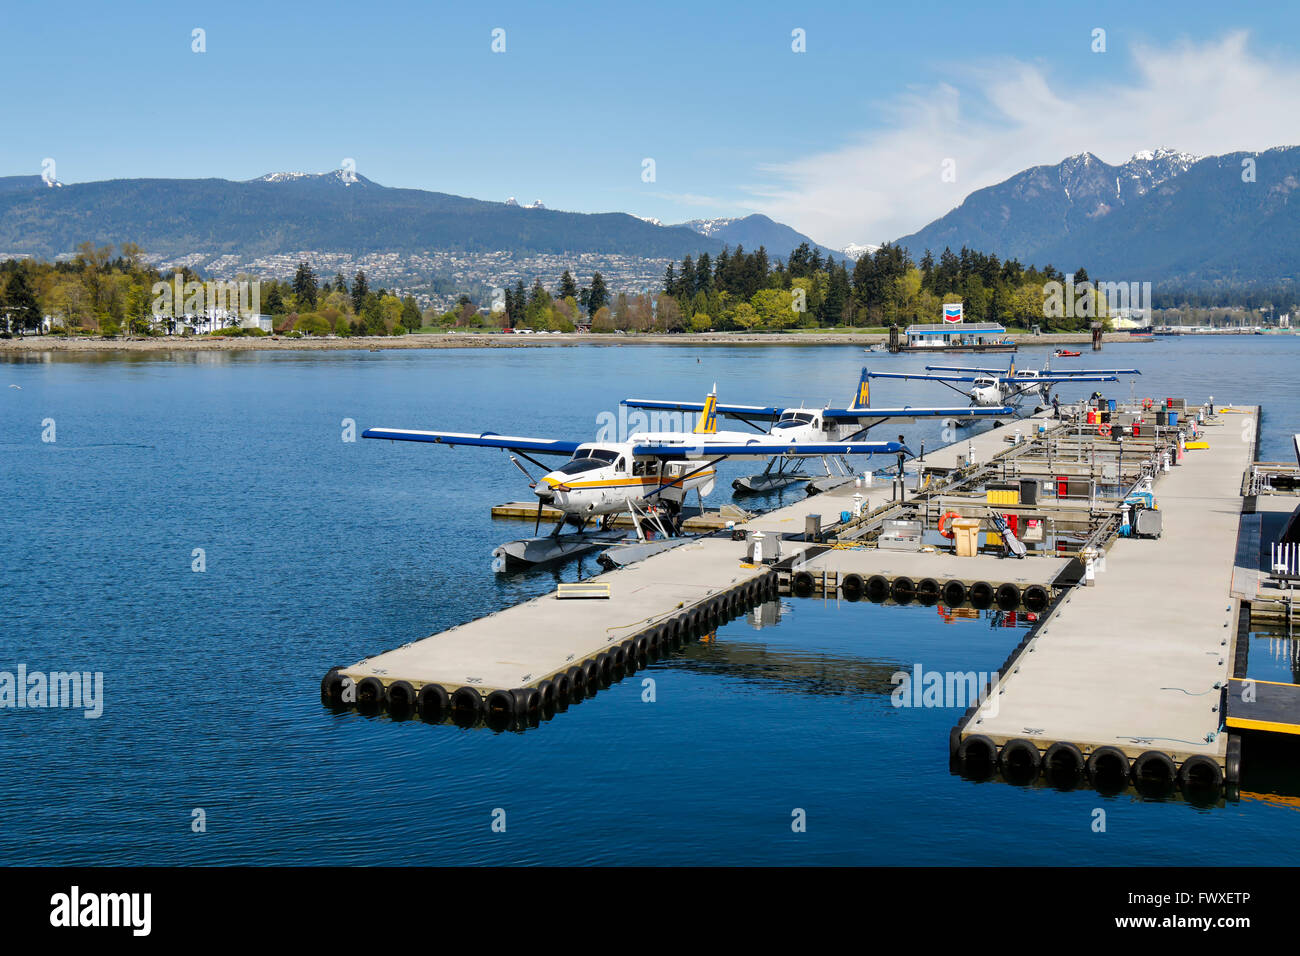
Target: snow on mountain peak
x,y
709,227
346,176
280,177
856,250
1176,156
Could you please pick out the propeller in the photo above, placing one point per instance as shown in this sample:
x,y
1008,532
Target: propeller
x,y
537,525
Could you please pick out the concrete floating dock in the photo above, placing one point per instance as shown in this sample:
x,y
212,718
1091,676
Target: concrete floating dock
x,y
549,651
1129,674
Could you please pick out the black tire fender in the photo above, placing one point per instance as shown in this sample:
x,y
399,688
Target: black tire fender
x,y
1108,761
370,692
401,697
1199,770
927,591
434,703
977,747
981,595
1036,598
877,588
1020,752
903,590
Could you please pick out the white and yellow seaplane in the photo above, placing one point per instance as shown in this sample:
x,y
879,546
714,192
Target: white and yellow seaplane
x,y
826,424
647,476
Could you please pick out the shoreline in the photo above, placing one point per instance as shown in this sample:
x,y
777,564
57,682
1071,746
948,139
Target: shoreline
x,y
443,340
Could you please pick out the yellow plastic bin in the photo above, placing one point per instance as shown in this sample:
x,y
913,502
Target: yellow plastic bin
x,y
966,533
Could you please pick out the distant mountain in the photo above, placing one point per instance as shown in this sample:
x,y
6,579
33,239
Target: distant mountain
x,y
1163,216
754,231
285,212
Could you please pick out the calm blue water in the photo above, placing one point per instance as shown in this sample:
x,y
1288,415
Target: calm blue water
x,y
319,552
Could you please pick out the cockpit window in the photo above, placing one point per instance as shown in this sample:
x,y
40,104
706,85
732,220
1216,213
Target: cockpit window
x,y
587,459
794,420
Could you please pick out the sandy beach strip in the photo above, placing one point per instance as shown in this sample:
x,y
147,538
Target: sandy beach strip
x,y
452,340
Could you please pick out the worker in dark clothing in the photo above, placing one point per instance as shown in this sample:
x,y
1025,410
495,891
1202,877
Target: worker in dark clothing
x,y
1056,407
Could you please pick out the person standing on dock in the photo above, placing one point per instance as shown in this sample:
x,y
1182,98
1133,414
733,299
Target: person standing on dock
x,y
1056,407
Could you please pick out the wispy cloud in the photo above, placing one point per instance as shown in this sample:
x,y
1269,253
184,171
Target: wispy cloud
x,y
999,117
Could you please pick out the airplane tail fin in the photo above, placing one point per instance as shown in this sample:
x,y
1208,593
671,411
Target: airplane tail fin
x,y
708,423
863,398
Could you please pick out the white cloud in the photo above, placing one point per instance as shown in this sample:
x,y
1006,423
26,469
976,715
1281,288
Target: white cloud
x,y
1202,98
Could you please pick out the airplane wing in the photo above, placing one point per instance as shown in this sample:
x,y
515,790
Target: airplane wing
x,y
1054,379
924,377
1073,372
965,368
908,412
540,446
730,411
765,446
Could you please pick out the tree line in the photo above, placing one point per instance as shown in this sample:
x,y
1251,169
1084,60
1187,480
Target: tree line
x,y
107,292
744,290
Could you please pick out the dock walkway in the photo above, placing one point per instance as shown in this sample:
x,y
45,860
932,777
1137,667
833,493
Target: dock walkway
x,y
1138,661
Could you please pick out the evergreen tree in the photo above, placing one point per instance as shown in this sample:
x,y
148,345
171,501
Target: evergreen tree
x,y
704,274
685,282
19,305
521,303
274,300
304,286
340,283
568,288
598,296
360,289
411,318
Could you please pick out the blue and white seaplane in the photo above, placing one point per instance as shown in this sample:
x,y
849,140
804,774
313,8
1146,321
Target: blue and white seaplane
x,y
992,387
805,424
646,476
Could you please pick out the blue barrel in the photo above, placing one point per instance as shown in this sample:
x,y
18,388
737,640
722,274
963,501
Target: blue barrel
x,y
845,516
1112,406
1173,419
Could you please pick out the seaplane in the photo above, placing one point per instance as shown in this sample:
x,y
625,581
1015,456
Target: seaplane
x,y
805,424
993,387
647,476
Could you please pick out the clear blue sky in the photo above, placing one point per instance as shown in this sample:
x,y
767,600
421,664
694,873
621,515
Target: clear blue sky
x,y
711,91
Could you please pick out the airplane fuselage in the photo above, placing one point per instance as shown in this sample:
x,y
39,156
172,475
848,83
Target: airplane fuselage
x,y
605,477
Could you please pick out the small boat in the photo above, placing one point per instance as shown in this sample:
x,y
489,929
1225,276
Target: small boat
x,y
1066,353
